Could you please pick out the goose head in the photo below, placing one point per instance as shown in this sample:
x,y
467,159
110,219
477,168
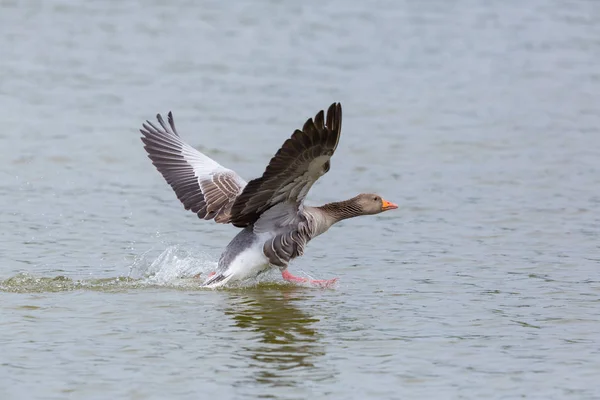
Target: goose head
x,y
371,203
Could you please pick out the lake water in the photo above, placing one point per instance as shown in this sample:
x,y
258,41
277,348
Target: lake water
x,y
480,119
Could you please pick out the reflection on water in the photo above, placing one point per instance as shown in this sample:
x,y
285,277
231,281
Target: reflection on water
x,y
288,348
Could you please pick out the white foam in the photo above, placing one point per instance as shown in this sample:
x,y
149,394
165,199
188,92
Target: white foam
x,y
173,265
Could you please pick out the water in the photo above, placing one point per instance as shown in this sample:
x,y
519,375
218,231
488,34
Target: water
x,y
480,119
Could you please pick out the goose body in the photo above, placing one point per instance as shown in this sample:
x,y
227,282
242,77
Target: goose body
x,y
242,258
276,225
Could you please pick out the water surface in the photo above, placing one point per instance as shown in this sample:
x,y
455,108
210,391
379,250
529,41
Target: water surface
x,y
481,120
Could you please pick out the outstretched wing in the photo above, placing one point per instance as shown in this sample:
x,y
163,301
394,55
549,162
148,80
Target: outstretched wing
x,y
297,165
200,183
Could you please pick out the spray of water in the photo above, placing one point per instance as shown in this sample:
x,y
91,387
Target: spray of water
x,y
176,267
174,264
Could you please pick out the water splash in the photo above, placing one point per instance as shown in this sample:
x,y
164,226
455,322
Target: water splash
x,y
184,268
175,267
172,265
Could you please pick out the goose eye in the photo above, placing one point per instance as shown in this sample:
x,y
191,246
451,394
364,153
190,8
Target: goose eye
x,y
375,198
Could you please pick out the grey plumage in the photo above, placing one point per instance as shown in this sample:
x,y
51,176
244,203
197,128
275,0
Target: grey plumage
x,y
241,242
221,194
300,161
277,226
202,185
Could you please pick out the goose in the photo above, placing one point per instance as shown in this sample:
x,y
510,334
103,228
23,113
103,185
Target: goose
x,y
276,225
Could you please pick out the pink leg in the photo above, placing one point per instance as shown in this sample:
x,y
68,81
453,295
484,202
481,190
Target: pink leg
x,y
197,276
317,282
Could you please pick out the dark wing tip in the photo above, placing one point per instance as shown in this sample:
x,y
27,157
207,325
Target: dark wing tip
x,y
320,120
163,130
320,134
334,122
334,117
172,123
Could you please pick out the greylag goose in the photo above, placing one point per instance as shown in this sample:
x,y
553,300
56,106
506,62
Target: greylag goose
x,y
270,209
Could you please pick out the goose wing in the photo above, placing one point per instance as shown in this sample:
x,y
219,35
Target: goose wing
x,y
203,186
293,170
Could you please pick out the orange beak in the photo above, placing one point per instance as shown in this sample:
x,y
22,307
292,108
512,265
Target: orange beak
x,y
386,205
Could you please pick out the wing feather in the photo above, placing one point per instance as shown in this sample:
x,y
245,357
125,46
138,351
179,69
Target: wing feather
x,y
203,186
300,161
